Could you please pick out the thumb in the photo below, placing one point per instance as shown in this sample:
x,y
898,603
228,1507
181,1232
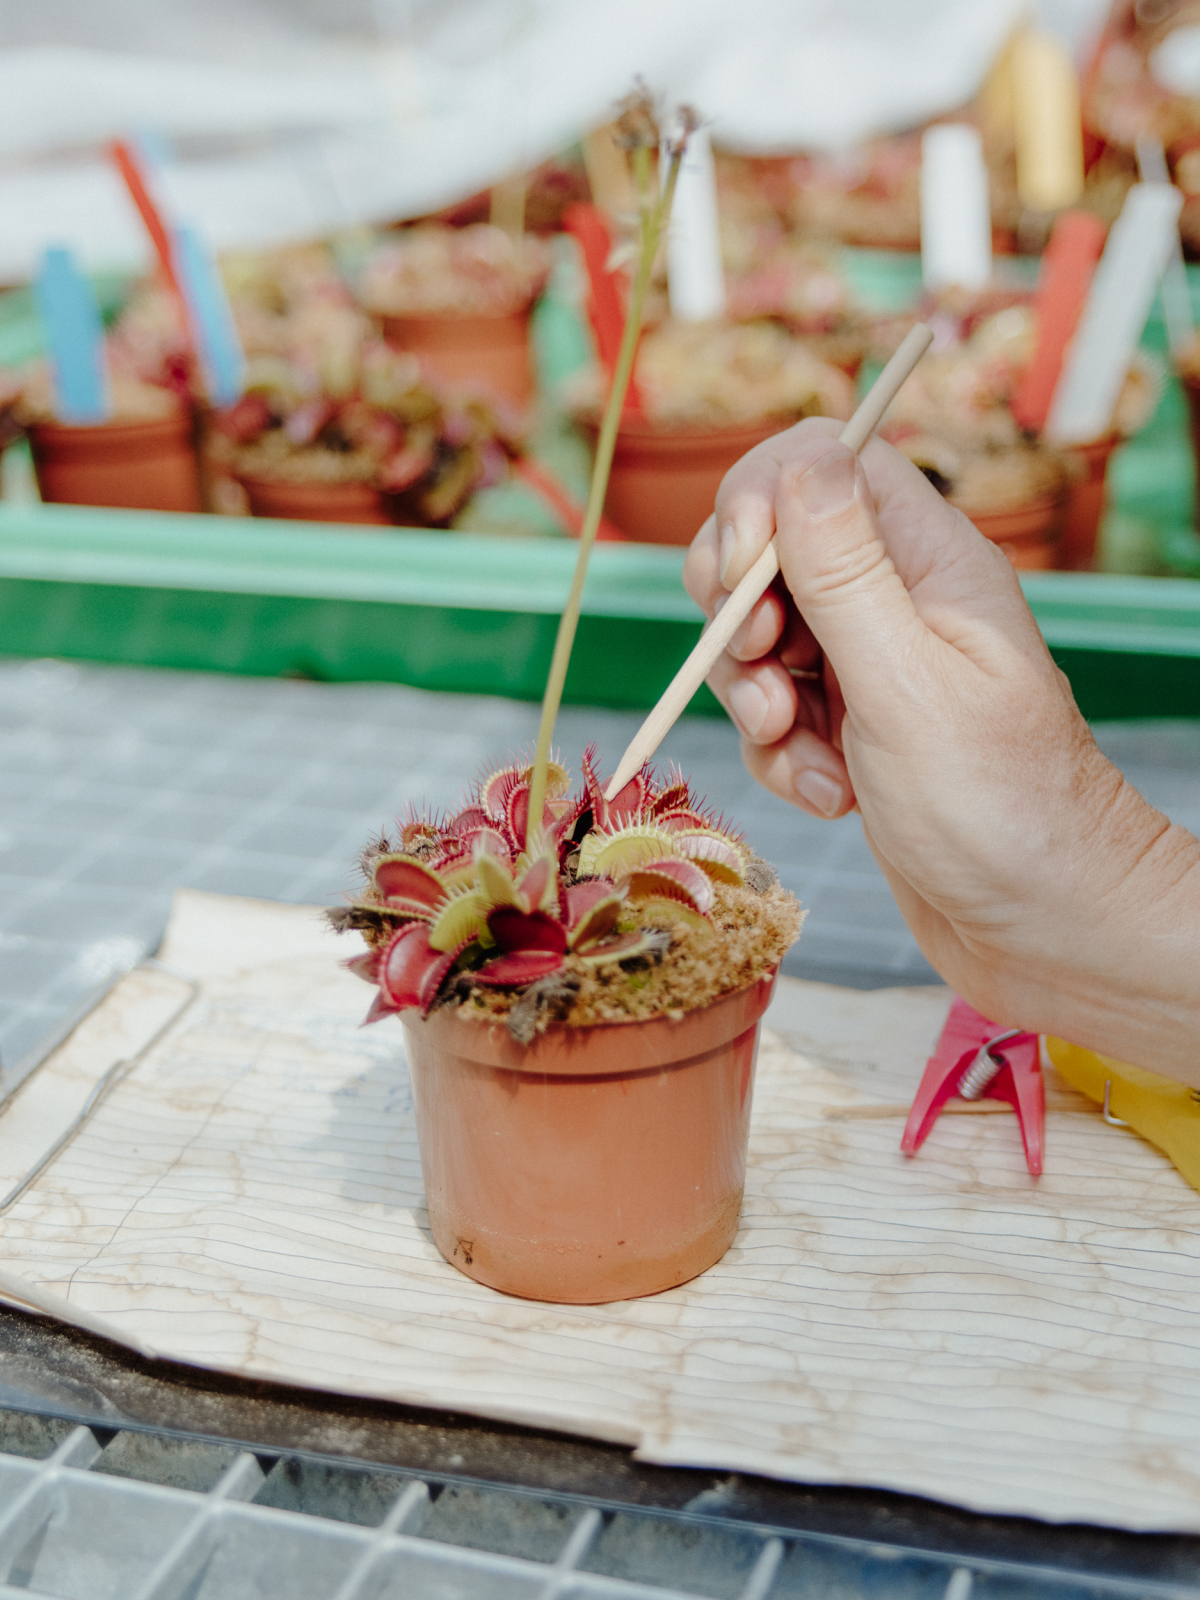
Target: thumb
x,y
837,567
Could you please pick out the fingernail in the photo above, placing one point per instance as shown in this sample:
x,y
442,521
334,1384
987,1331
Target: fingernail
x,y
828,485
749,705
740,639
821,791
727,550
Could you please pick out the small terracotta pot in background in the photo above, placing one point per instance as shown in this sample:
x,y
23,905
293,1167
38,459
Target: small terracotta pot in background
x,y
316,501
597,1164
492,352
1085,504
664,481
147,466
1027,534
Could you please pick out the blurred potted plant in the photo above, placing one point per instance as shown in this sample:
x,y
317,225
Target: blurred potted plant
x,y
143,454
376,447
1042,504
334,425
708,393
460,300
797,284
581,983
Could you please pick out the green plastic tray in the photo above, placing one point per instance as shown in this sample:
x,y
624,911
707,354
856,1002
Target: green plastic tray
x,y
471,613
440,611
476,613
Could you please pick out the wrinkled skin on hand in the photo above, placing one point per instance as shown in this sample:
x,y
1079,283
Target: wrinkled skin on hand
x,y
895,666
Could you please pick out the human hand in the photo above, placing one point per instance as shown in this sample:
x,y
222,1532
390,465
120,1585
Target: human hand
x,y
895,665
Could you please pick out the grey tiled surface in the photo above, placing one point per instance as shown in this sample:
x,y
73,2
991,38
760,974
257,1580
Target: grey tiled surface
x,y
118,785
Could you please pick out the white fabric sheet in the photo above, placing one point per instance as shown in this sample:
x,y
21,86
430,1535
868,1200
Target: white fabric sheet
x,y
329,130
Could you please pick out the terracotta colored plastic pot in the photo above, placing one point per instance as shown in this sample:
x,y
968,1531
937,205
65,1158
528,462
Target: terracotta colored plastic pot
x,y
489,351
1085,505
664,481
1028,534
149,466
597,1164
316,502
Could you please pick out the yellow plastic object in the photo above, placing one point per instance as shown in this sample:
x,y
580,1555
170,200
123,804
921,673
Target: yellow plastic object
x,y
1045,91
1163,1111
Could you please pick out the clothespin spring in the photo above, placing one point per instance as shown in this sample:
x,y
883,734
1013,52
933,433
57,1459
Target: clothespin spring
x,y
985,1066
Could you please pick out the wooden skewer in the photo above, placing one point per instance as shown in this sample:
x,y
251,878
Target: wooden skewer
x,y
737,608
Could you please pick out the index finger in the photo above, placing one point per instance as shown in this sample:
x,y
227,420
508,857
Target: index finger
x,y
745,508
768,620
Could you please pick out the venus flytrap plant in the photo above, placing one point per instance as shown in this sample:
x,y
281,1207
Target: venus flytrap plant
x,y
461,902
639,131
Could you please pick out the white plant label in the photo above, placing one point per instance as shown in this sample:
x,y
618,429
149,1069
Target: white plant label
x,y
695,275
956,221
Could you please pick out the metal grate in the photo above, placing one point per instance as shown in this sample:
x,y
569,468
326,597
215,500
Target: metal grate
x,y
140,1514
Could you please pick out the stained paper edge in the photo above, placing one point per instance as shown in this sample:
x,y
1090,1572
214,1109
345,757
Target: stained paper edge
x,y
20,1293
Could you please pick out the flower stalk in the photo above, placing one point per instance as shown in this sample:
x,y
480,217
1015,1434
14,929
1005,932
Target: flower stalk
x,y
656,191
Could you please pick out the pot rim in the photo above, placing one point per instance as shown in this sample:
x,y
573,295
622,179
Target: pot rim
x,y
307,485
1096,452
115,432
650,1043
455,318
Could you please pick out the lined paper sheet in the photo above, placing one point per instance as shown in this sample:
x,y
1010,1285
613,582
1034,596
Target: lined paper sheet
x,y
249,1199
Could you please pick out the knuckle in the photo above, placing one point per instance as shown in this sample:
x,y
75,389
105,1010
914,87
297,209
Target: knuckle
x,y
849,568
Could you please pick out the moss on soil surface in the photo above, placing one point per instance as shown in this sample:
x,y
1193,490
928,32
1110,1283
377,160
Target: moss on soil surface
x,y
751,932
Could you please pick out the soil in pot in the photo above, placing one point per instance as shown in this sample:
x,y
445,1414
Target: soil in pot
x,y
147,465
596,1164
314,501
460,351
664,480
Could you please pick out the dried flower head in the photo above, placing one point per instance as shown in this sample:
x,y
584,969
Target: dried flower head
x,y
637,123
463,904
684,124
638,129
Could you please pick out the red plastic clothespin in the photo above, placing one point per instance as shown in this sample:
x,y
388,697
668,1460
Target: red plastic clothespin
x,y
975,1057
